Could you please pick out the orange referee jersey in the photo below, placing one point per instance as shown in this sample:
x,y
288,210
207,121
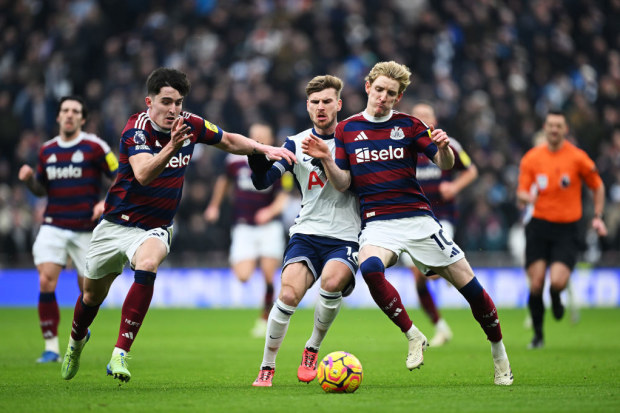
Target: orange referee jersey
x,y
558,178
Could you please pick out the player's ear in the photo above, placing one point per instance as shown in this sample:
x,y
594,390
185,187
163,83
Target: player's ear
x,y
148,101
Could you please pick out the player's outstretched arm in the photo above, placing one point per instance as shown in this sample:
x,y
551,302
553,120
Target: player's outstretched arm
x,y
240,145
26,175
315,147
444,158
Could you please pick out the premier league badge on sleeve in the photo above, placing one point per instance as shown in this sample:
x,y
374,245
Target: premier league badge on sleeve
x,y
139,138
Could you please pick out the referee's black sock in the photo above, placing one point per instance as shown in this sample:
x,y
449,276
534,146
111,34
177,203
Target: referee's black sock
x,y
537,310
556,303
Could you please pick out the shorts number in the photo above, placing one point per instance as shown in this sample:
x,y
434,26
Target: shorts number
x,y
441,242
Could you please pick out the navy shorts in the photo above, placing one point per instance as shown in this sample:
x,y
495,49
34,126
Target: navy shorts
x,y
552,242
316,251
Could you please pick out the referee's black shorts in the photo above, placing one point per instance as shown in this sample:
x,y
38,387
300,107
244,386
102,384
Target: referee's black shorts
x,y
552,242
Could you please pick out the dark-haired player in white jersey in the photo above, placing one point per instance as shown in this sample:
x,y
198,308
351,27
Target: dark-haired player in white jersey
x,y
69,172
323,239
155,150
376,154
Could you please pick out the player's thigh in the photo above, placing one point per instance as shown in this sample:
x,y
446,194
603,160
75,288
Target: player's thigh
x,y
150,254
77,249
337,274
296,280
434,251
244,243
459,273
51,245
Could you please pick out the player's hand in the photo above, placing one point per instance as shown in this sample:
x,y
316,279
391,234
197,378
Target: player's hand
x,y
211,214
439,137
315,147
599,226
98,210
263,216
180,132
25,173
447,190
275,154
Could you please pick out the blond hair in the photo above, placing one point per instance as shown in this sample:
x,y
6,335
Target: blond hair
x,y
319,83
393,70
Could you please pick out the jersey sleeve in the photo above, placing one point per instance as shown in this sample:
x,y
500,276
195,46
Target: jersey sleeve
x,y
526,175
40,175
273,174
340,157
587,169
135,142
206,132
422,139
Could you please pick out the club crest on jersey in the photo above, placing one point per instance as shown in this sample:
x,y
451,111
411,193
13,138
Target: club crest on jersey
x,y
542,181
77,157
397,133
139,138
187,142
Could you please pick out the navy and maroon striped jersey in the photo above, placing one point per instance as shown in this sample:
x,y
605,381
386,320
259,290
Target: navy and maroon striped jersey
x,y
71,172
246,198
382,154
430,176
154,205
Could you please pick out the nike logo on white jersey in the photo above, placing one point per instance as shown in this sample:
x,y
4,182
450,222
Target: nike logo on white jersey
x,y
361,137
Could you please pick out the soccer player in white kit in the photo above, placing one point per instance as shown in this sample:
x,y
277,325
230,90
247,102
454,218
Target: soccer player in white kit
x,y
323,239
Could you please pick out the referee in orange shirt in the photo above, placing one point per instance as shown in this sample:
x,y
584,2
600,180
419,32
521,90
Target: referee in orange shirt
x,y
550,178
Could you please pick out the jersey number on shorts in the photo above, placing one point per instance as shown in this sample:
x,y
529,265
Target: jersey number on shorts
x,y
442,242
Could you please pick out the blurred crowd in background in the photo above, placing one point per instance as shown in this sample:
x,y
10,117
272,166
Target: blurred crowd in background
x,y
491,69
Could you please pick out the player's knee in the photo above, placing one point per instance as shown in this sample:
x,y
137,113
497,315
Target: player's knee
x,y
288,296
372,265
335,283
147,264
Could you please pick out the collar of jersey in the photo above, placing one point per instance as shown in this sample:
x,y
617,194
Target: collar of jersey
x,y
369,118
324,137
67,144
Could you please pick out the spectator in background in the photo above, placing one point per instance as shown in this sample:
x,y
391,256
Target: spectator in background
x,y
441,188
69,172
257,236
551,178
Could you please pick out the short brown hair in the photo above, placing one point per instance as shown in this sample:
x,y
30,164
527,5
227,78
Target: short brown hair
x,y
319,83
393,70
164,76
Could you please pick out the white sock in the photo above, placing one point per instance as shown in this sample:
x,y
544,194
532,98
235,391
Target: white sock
x,y
325,312
119,351
413,332
498,350
277,324
51,344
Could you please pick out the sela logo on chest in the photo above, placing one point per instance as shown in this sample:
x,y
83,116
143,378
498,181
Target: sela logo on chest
x,y
366,154
65,172
179,161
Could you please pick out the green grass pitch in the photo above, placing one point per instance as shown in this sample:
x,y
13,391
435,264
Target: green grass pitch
x,y
204,360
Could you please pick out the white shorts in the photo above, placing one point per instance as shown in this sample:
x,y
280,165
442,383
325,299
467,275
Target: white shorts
x,y
254,241
448,231
421,237
113,245
54,244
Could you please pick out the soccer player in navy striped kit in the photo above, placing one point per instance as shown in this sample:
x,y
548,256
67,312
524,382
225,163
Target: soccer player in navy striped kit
x,y
155,150
376,153
70,173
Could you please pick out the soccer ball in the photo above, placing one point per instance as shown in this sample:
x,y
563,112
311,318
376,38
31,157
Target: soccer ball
x,y
340,372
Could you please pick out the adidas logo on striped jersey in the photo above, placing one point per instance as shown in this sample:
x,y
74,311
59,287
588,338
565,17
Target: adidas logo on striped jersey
x,y
361,137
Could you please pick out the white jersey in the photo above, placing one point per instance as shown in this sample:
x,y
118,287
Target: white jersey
x,y
325,211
